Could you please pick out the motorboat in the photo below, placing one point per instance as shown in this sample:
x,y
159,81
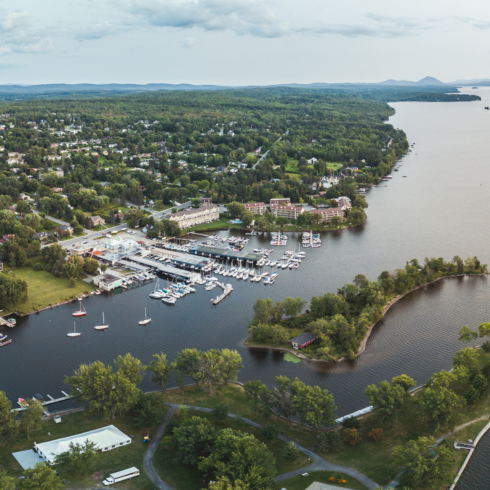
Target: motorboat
x,y
169,300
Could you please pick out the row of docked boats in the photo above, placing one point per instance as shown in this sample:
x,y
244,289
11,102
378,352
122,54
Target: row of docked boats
x,y
279,239
310,239
172,293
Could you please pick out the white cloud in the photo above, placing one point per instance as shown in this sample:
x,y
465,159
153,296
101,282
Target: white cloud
x,y
189,42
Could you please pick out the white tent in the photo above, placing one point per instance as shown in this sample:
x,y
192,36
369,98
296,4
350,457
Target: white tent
x,y
106,438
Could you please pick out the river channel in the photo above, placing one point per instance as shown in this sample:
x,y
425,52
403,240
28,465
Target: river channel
x,y
441,208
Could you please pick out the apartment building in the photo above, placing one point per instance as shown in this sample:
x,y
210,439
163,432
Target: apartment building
x,y
256,207
286,211
193,217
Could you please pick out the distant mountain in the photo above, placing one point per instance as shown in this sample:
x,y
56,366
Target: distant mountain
x,y
406,83
476,81
110,87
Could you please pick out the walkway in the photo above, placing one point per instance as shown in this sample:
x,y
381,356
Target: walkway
x,y
148,460
319,464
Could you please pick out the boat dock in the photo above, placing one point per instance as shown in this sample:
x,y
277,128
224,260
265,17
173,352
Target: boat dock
x,y
226,291
51,400
6,322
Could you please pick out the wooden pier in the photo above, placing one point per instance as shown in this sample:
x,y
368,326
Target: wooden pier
x,y
51,400
226,291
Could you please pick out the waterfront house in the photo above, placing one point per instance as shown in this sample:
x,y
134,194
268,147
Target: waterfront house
x,y
257,208
107,282
288,211
328,213
302,340
193,217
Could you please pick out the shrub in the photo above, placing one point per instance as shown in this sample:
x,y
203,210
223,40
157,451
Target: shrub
x,y
38,267
220,411
331,442
291,452
239,421
351,423
471,395
351,437
486,346
269,431
376,435
171,426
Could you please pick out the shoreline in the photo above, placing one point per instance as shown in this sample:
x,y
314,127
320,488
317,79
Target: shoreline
x,y
362,346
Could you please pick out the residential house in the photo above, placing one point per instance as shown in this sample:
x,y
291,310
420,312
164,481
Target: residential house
x,y
328,213
63,229
194,217
96,220
42,235
283,201
302,340
286,211
257,208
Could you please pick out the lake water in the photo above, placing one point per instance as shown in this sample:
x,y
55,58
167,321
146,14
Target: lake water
x,y
440,209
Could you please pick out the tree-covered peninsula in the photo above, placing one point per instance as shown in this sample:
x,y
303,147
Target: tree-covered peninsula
x,y
340,322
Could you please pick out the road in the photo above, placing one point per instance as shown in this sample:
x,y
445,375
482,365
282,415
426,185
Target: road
x,y
265,154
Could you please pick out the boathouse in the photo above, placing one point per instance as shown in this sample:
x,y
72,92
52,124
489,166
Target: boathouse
x,y
302,340
107,282
105,438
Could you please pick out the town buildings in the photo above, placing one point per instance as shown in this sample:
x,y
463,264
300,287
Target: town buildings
x,y
288,211
206,213
257,208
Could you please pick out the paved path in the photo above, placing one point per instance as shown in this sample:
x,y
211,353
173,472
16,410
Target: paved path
x,y
319,464
150,452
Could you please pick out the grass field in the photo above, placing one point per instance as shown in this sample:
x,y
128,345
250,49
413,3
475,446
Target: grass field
x,y
303,482
109,462
45,289
292,166
374,459
221,224
185,478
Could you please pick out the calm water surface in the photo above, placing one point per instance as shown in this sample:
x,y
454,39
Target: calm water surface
x,y
440,209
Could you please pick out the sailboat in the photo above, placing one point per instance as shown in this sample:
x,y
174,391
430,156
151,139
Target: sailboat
x,y
81,311
103,326
145,321
74,333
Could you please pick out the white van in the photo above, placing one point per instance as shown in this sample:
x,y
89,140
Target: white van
x,y
121,475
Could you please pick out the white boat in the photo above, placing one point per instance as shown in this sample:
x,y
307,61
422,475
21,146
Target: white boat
x,y
145,321
169,300
74,333
103,326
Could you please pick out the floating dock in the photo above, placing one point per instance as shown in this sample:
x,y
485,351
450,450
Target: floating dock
x,y
51,400
226,291
7,323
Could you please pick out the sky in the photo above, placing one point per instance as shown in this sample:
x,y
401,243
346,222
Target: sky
x,y
242,42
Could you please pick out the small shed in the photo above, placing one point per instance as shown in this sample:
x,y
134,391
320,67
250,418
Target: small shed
x,y
302,340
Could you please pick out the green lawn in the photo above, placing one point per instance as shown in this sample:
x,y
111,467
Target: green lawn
x,y
303,482
374,459
191,478
44,288
221,224
109,462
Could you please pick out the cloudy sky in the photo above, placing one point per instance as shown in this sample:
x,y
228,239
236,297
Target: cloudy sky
x,y
240,42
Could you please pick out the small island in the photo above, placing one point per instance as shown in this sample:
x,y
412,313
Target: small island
x,y
337,326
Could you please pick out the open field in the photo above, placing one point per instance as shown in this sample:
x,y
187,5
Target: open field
x,y
109,462
302,482
44,288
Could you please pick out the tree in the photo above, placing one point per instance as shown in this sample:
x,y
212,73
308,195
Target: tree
x,y
293,307
211,368
8,424
12,291
426,464
32,416
465,363
7,482
91,266
484,330
224,483
240,456
439,406
131,368
247,217
314,406
102,389
230,365
235,209
189,363
467,335
73,267
282,398
388,400
255,390
150,410
351,437
161,370
331,442
41,477
406,382
291,451
80,457
195,439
